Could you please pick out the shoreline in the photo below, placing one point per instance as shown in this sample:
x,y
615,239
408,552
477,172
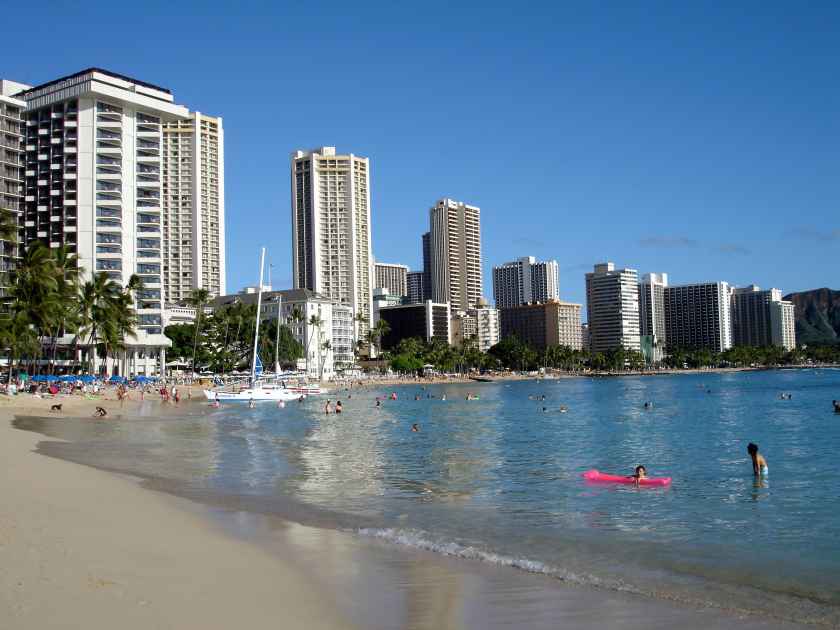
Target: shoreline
x,y
176,543
561,374
80,547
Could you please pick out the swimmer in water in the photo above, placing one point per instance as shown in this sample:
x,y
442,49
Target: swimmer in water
x,y
327,408
338,406
251,404
639,474
758,461
415,428
378,403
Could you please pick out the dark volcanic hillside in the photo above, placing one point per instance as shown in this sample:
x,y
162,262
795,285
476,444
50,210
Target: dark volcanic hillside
x,y
817,316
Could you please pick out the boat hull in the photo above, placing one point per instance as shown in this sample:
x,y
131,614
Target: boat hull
x,y
257,394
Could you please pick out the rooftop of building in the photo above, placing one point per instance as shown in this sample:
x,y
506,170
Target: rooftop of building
x,y
385,264
413,305
287,295
109,73
543,304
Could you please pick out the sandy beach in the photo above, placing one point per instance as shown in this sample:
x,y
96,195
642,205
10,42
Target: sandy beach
x,y
85,548
81,548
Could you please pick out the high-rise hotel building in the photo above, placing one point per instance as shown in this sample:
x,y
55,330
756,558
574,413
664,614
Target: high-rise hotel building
x,y
193,204
699,316
93,183
652,315
415,287
612,308
455,253
761,318
331,240
525,281
12,163
392,277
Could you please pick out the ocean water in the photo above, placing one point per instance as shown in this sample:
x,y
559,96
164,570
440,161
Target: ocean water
x,y
499,479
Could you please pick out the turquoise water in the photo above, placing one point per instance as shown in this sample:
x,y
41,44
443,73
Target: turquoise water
x,y
499,479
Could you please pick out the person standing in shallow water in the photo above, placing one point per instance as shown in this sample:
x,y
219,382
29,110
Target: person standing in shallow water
x,y
758,461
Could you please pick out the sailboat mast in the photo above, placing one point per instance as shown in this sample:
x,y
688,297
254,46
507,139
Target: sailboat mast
x,y
257,327
277,339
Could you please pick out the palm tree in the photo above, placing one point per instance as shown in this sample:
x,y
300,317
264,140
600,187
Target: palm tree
x,y
315,322
65,316
35,284
198,298
103,312
326,346
9,234
380,329
363,323
18,338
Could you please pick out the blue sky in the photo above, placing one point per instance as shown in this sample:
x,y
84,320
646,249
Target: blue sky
x,y
702,141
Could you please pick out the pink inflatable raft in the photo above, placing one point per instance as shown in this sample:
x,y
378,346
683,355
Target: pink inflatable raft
x,y
599,477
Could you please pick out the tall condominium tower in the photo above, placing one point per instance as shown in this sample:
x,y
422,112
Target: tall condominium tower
x,y
93,184
612,307
415,287
193,203
455,252
331,243
782,324
392,277
652,315
525,281
427,266
12,132
698,316
751,315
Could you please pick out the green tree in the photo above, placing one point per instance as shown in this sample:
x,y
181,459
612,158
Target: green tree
x,y
198,299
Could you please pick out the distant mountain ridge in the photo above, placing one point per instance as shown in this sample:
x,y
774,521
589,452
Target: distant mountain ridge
x,y
817,316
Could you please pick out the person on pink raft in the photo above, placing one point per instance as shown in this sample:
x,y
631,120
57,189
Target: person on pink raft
x,y
639,474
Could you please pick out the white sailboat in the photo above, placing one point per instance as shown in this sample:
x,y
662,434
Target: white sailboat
x,y
258,390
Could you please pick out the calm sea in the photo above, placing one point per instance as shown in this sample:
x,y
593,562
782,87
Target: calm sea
x,y
499,478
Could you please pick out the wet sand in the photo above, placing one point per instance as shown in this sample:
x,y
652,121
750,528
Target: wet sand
x,y
81,547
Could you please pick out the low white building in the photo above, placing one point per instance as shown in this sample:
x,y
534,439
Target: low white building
x,y
481,322
343,337
310,318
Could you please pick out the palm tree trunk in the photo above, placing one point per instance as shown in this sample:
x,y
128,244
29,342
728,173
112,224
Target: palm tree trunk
x,y
195,338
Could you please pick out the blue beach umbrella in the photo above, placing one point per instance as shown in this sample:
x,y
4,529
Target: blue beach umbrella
x,y
87,378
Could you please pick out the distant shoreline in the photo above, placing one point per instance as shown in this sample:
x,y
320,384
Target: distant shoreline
x,y
553,375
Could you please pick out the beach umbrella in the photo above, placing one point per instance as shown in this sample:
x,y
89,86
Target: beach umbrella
x,y
87,378
67,378
118,379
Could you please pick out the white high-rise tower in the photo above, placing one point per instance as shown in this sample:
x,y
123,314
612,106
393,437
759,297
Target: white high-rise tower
x,y
525,281
455,252
193,207
93,184
612,306
331,242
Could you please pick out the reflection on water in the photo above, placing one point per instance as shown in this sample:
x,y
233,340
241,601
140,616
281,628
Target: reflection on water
x,y
499,478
